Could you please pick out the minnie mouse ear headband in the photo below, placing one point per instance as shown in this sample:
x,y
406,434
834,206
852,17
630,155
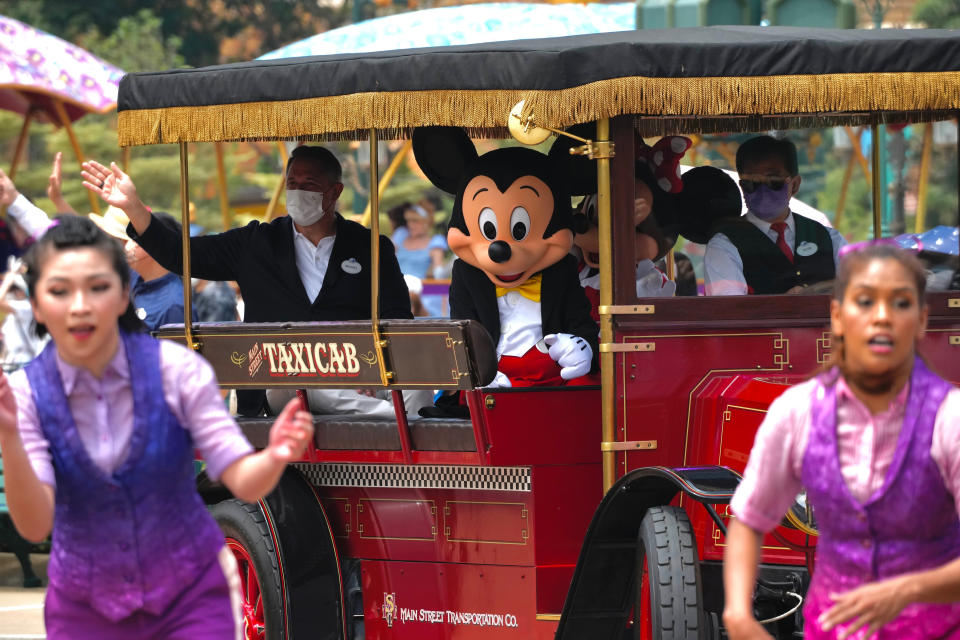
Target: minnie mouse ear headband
x,y
663,159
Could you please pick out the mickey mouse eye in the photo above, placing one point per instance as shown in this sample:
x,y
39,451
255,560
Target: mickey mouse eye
x,y
519,223
488,224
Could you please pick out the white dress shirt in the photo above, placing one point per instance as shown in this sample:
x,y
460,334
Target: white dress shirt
x,y
312,261
723,266
521,325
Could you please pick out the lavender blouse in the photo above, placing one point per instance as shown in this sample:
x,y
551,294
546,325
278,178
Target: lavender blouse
x,y
103,411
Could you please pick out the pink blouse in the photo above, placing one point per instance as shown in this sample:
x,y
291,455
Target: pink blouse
x,y
866,446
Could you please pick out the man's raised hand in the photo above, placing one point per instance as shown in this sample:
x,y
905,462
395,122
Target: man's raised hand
x,y
112,185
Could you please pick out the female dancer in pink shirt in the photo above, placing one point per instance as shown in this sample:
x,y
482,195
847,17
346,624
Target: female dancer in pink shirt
x,y
875,440
98,435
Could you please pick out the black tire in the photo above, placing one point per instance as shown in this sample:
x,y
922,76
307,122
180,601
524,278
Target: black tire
x,y
667,548
244,524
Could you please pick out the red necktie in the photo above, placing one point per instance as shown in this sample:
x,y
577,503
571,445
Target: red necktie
x,y
780,228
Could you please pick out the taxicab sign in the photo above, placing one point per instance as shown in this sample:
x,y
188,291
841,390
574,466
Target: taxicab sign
x,y
432,354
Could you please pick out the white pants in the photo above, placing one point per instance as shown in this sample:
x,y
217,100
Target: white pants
x,y
344,401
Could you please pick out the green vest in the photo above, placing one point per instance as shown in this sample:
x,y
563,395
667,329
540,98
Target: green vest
x,y
767,270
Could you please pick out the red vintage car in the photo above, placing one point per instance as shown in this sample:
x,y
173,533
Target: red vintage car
x,y
549,513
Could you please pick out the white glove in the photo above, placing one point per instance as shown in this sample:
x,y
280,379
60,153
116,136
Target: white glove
x,y
499,381
573,354
652,283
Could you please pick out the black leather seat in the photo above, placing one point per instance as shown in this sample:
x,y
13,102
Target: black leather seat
x,y
345,432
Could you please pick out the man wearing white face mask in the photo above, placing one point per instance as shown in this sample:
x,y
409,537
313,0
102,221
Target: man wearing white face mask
x,y
769,250
312,264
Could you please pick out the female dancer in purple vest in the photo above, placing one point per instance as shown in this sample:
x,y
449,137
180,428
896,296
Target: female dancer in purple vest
x,y
98,435
875,440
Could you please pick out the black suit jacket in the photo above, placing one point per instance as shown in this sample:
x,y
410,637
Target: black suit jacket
x,y
261,258
564,308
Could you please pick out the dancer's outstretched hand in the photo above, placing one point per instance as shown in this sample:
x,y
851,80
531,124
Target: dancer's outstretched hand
x,y
112,185
746,628
869,607
290,433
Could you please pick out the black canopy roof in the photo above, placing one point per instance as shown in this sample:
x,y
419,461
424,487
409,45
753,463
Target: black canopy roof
x,y
700,78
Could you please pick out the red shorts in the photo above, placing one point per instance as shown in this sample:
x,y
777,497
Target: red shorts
x,y
536,368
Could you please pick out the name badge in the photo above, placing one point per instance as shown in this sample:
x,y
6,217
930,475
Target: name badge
x,y
807,249
351,266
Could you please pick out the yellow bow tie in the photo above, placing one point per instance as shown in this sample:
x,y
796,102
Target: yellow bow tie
x,y
530,288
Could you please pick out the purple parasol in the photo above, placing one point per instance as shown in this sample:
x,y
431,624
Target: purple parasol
x,y
38,69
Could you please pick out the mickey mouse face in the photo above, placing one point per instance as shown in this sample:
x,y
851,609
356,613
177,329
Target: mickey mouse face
x,y
511,215
506,229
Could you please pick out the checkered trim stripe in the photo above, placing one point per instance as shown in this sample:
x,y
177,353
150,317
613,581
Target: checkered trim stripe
x,y
416,476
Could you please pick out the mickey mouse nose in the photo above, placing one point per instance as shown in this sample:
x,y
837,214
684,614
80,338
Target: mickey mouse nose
x,y
499,251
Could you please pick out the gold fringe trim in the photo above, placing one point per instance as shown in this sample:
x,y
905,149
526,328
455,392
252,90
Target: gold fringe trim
x,y
395,113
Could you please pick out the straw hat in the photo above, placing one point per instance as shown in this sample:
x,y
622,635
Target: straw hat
x,y
113,222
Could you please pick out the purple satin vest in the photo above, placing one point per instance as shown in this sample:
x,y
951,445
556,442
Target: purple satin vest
x,y
909,524
135,539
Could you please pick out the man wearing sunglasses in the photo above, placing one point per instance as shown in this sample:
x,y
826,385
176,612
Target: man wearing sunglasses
x,y
769,250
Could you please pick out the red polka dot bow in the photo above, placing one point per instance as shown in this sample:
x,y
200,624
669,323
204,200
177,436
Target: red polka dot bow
x,y
663,158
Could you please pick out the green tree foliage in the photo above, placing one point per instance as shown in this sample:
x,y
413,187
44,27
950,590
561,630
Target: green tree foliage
x,y
856,222
938,14
137,44
209,32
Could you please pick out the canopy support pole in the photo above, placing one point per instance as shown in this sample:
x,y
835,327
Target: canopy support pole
x,y
924,179
877,178
125,159
387,178
185,235
607,410
222,186
378,342
857,152
65,121
275,198
670,262
21,144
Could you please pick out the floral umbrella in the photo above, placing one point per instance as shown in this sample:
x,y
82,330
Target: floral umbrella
x,y
467,24
38,69
45,78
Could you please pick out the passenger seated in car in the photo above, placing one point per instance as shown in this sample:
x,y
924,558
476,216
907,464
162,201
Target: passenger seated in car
x,y
769,250
310,265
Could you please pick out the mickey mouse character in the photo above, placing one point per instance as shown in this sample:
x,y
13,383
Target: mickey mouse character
x,y
511,231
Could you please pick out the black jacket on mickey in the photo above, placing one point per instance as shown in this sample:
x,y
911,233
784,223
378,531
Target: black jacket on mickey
x,y
564,308
261,258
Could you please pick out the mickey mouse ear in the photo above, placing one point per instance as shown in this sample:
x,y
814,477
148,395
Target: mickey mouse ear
x,y
579,172
443,154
